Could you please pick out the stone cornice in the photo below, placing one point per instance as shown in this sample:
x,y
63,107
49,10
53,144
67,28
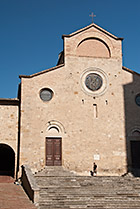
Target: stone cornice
x,y
8,101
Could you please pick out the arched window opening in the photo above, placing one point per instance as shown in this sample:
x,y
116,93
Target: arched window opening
x,y
7,160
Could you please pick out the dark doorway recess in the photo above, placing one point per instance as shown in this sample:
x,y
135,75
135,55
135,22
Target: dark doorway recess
x,y
135,154
7,160
53,151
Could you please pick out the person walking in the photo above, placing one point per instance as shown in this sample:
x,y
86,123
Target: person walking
x,y
94,169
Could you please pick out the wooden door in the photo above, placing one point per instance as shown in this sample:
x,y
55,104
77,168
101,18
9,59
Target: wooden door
x,y
53,152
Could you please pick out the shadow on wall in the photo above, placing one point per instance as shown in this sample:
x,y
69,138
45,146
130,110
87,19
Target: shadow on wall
x,y
132,124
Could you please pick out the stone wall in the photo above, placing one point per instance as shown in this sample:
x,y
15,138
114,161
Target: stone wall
x,y
9,124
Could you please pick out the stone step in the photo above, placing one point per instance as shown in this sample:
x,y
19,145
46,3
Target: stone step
x,y
88,191
88,196
55,171
93,181
86,201
112,206
103,195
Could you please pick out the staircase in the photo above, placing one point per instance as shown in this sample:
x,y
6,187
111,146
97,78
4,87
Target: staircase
x,y
60,188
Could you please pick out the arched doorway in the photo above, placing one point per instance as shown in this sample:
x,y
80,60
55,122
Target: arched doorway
x,y
7,160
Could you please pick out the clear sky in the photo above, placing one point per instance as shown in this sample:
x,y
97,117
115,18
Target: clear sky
x,y
31,31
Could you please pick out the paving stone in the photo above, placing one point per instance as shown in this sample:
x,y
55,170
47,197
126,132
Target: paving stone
x,y
12,196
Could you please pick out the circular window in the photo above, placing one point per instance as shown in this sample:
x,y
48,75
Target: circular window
x,y
93,81
137,99
46,94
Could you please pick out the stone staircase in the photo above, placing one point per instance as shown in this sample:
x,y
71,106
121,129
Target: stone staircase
x,y
60,188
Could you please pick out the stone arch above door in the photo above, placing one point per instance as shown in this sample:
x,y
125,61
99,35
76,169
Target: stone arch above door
x,y
134,132
55,127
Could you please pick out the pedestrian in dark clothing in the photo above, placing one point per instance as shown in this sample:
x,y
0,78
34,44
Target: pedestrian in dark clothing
x,y
94,169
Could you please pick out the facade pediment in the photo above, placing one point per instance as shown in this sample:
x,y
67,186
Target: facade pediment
x,y
92,41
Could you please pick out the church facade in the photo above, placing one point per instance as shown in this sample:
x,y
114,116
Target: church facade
x,y
84,110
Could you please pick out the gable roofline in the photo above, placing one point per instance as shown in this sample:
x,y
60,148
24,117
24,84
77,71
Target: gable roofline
x,y
95,26
130,71
41,72
59,66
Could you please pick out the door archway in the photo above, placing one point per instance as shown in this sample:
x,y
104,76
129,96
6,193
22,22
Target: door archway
x,y
7,160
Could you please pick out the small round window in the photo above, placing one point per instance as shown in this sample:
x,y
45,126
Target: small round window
x,y
46,94
137,99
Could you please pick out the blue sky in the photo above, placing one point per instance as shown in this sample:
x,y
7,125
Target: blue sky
x,y
31,31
